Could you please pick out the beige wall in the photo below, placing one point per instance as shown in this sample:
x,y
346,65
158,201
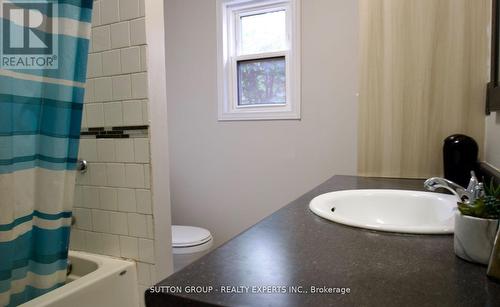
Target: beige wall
x,y
226,176
424,74
492,148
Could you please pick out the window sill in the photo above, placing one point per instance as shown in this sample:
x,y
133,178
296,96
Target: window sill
x,y
248,116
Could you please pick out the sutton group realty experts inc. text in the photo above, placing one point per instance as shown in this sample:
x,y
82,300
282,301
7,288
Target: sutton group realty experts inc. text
x,y
246,289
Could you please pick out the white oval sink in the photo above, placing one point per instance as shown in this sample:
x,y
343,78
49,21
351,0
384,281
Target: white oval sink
x,y
389,210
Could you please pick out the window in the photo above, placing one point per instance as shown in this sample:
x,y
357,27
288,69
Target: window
x,y
259,59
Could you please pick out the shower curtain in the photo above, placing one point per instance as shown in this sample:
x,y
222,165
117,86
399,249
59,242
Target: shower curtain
x,y
41,104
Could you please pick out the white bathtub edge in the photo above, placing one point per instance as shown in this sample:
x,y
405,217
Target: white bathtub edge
x,y
107,266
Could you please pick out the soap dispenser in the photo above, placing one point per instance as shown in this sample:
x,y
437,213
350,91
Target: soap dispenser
x,y
460,154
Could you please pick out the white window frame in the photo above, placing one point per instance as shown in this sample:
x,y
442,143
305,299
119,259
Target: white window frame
x,y
229,13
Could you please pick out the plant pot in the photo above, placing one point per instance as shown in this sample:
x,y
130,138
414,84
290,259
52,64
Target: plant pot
x,y
474,238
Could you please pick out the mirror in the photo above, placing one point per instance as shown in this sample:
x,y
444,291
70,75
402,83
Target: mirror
x,y
493,90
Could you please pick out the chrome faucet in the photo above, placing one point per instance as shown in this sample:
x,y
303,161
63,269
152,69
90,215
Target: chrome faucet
x,y
467,195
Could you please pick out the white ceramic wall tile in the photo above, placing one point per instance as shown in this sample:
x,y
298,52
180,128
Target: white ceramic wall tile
x,y
95,114
141,150
100,220
93,240
77,240
129,9
150,226
84,118
101,38
113,114
77,202
142,8
129,247
97,174
102,91
109,11
118,223
131,59
141,290
90,197
111,244
122,87
124,150
140,85
137,32
83,178
106,150
115,174
88,150
120,35
134,175
94,65
83,218
143,273
111,63
91,47
137,225
152,269
115,190
147,176
143,198
146,250
108,198
145,114
96,14
126,200
89,91
144,54
132,113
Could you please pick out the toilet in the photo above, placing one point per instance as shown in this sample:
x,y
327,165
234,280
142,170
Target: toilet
x,y
188,244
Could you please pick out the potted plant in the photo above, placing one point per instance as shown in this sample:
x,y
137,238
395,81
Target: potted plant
x,y
476,225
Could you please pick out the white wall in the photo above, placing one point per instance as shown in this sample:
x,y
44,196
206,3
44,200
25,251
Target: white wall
x,y
492,148
160,172
226,176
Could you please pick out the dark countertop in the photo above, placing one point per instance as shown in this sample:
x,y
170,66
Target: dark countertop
x,y
294,247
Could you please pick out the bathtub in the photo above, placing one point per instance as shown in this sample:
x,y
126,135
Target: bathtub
x,y
95,281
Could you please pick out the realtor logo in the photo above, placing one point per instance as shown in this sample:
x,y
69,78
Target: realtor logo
x,y
28,39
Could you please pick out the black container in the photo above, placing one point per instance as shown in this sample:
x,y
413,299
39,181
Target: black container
x,y
459,158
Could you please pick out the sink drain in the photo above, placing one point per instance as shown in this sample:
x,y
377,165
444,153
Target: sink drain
x,y
333,209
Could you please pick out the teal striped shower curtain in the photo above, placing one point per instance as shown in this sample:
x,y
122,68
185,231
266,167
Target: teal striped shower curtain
x,y
44,49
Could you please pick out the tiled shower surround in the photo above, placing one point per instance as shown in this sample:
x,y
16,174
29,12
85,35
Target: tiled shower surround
x,y
113,208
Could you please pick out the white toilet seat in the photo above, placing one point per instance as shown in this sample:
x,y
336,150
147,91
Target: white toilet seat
x,y
189,239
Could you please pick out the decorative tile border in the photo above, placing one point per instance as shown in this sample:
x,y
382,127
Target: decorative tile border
x,y
123,132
